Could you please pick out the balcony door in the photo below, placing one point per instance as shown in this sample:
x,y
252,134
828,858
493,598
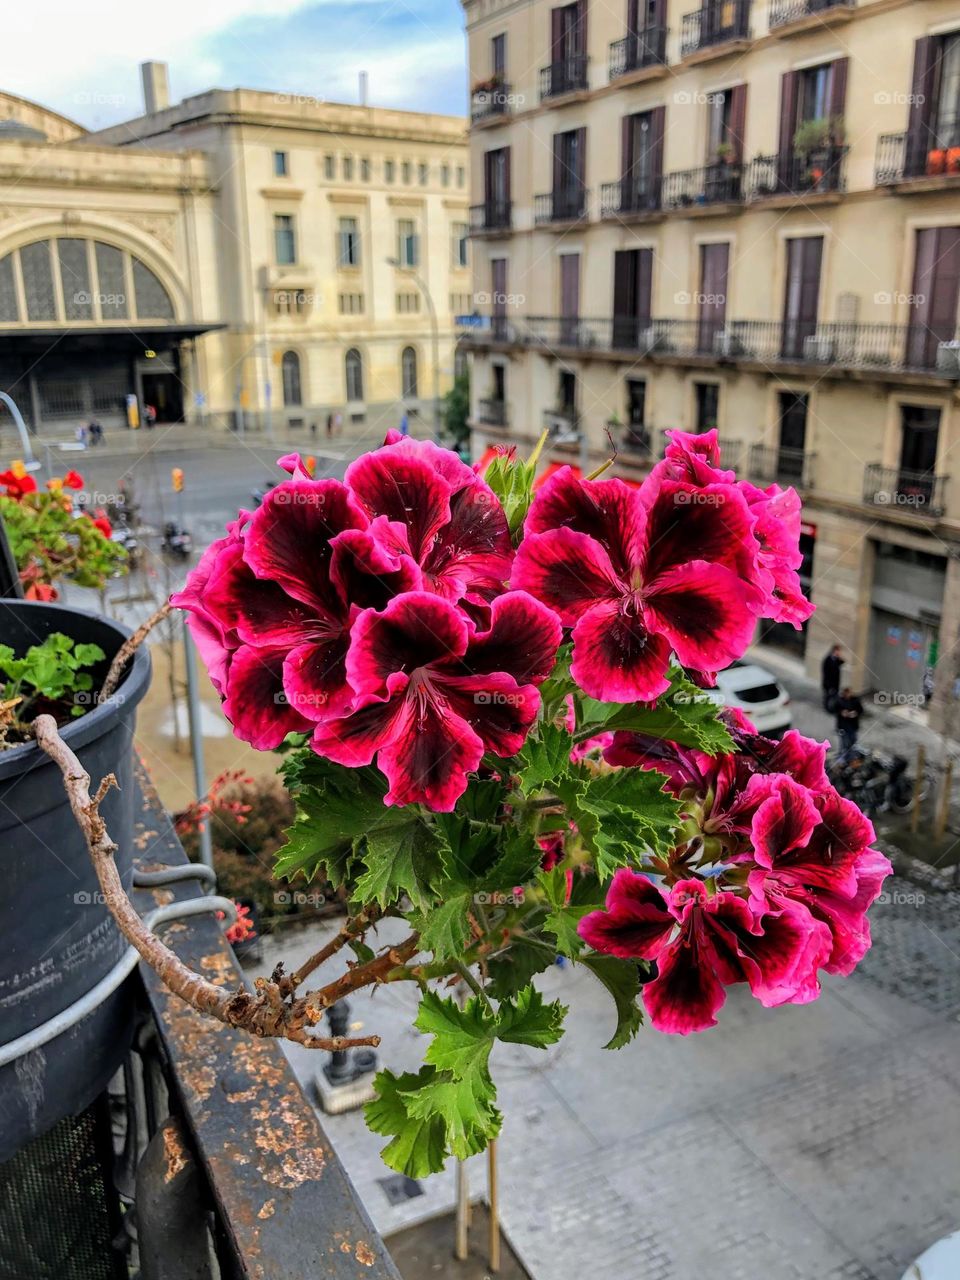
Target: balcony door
x,y
641,160
802,294
792,442
498,288
808,98
919,440
714,266
569,171
569,299
936,294
496,173
568,45
632,288
934,123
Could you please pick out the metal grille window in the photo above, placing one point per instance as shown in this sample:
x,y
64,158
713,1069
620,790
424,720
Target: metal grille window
x,y
75,279
111,285
353,367
329,167
348,168
153,301
290,368
108,396
389,170
61,399
351,304
38,281
9,311
408,372
285,241
444,175
406,171
364,169
407,248
407,303
348,243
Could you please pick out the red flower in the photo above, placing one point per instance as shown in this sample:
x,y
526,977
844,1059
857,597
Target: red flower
x,y
17,485
101,522
73,480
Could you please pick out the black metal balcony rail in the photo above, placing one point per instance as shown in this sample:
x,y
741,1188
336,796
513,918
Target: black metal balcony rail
x,y
492,215
783,12
638,442
563,424
568,75
495,101
718,183
930,152
630,196
773,464
637,51
823,170
895,489
567,204
715,23
492,412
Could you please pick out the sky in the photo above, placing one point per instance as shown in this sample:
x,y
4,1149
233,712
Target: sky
x,y
83,59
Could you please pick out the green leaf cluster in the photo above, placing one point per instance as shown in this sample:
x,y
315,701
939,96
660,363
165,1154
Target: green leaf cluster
x,y
51,671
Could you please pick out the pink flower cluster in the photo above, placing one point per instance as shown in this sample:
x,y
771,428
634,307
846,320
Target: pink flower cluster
x,y
772,885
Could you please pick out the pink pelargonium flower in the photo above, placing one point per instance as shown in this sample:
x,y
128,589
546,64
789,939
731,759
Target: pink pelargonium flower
x,y
640,572
427,504
433,692
703,943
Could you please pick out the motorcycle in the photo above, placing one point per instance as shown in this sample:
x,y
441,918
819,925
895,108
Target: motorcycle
x,y
176,541
876,781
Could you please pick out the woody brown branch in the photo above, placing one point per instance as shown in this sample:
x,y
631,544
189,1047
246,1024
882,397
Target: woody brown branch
x,y
266,1014
129,648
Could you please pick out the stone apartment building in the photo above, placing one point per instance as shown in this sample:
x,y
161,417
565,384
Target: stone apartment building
x,y
743,216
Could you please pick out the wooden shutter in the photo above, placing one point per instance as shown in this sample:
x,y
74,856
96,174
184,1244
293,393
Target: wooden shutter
x,y
658,117
789,84
580,36
624,297
556,34
644,286
498,281
626,145
936,279
505,171
802,294
570,285
579,179
558,165
714,263
838,87
921,98
738,120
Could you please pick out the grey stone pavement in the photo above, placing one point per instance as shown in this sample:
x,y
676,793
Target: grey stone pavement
x,y
813,1143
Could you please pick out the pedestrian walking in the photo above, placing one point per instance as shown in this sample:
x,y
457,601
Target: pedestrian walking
x,y
830,677
404,424
849,713
330,425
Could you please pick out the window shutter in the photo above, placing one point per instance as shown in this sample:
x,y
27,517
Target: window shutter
x,y
658,117
788,117
738,120
838,87
921,104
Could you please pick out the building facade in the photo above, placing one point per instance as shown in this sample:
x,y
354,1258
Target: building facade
x,y
341,250
743,216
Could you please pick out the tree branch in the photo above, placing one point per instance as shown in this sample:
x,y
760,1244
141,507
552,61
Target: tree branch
x,y
129,648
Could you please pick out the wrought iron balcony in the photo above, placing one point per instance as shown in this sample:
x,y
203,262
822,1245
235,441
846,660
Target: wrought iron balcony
x,y
639,443
821,171
919,154
567,204
638,51
717,23
568,75
563,425
772,464
918,493
492,215
492,412
712,184
630,196
785,12
879,348
487,103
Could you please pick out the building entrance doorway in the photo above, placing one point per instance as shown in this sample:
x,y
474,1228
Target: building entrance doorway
x,y
164,392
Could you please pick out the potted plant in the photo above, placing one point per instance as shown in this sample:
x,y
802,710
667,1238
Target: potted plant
x,y
726,153
936,162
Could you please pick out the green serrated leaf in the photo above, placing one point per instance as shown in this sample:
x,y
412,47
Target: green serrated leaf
x,y
527,1020
462,1037
631,814
336,806
622,980
512,970
418,1147
685,714
445,929
543,758
465,1106
562,923
401,858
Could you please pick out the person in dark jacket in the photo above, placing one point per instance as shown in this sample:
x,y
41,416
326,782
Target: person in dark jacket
x,y
830,677
849,712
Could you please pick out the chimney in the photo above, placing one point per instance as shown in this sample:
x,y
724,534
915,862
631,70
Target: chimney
x,y
364,80
156,87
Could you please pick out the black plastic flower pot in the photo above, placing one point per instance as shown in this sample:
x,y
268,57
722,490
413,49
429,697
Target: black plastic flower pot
x,y
57,938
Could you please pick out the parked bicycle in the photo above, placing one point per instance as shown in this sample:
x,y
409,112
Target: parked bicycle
x,y
876,781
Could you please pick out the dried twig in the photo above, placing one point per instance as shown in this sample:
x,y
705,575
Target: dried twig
x,y
129,648
269,1013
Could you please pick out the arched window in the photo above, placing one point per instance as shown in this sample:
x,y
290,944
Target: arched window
x,y
70,280
353,364
408,373
290,367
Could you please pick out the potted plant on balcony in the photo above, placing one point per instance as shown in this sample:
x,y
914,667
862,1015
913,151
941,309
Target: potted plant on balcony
x,y
816,142
495,752
60,941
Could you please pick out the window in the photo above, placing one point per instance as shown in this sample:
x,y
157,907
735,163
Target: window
x,y
407,247
281,164
348,168
364,169
408,304
290,369
284,239
636,403
946,124
353,368
408,373
423,174
351,304
459,232
461,304
461,175
389,170
406,171
445,175
498,55
706,397
290,302
348,243
329,167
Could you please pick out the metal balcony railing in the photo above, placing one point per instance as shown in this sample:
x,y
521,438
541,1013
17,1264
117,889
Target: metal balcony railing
x,y
930,152
568,75
630,196
563,424
492,412
772,464
492,215
718,183
639,443
637,51
715,23
568,204
783,12
485,103
823,170
892,488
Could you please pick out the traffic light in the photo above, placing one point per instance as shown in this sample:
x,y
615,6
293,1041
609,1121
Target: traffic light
x,y
176,477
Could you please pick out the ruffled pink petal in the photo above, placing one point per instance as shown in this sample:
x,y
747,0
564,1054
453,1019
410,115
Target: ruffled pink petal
x,y
686,995
315,677
609,511
636,923
568,571
367,573
781,954
354,739
293,465
616,658
429,756
473,551
413,631
694,458
522,639
401,484
705,611
785,818
256,704
802,758
259,611
711,523
499,710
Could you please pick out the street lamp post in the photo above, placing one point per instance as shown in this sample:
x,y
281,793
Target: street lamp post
x,y
29,460
435,341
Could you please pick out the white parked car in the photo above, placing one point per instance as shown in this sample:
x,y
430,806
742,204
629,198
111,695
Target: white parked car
x,y
758,694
